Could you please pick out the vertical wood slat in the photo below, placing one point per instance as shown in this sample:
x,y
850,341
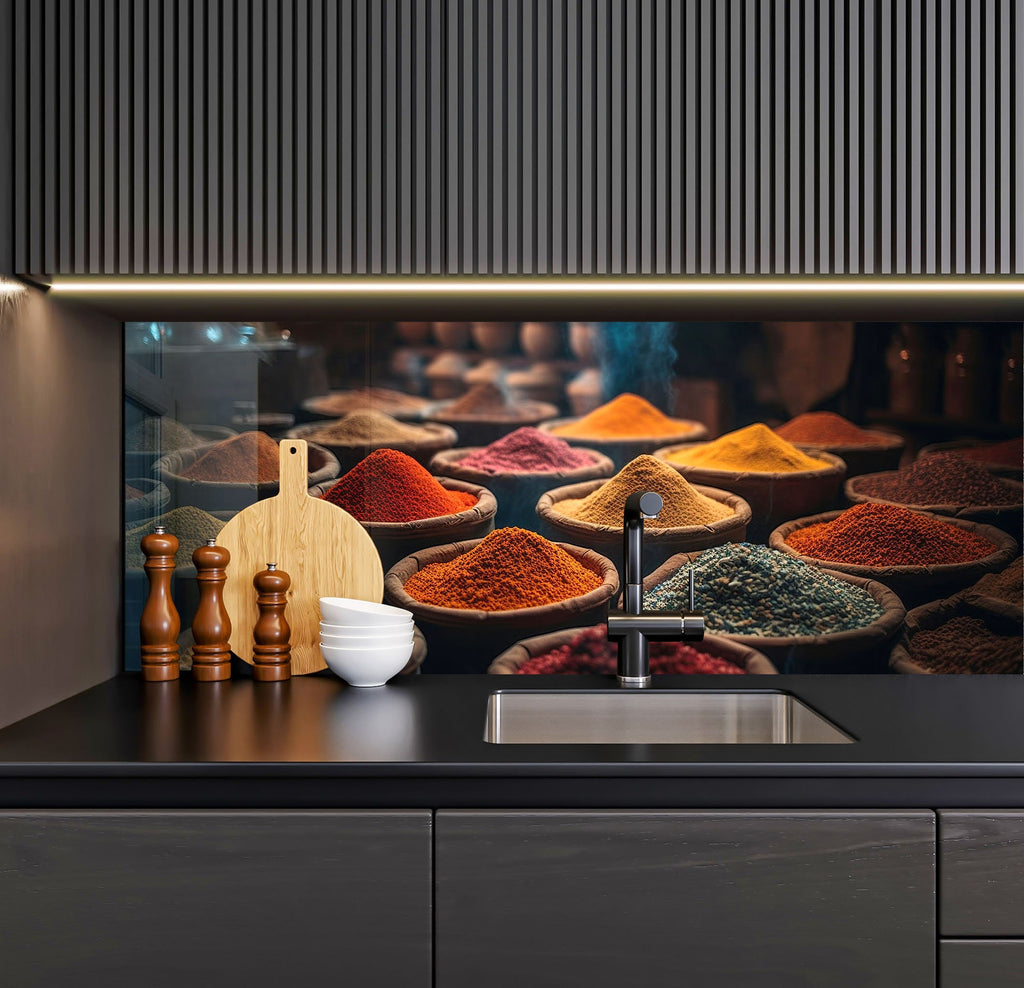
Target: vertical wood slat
x,y
518,136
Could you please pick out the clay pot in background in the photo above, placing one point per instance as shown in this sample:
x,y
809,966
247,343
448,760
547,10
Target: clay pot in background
x,y
452,335
586,340
585,391
445,376
494,338
541,382
413,332
541,340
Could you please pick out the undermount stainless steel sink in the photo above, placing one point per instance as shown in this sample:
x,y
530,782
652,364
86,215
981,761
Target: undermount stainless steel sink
x,y
655,717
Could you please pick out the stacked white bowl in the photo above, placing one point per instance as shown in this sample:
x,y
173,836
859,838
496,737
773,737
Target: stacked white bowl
x,y
362,642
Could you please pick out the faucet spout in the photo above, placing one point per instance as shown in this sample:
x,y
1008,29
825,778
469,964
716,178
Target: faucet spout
x,y
631,626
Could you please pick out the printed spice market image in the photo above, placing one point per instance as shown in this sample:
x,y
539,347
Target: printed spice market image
x,y
527,450
389,486
746,589
510,569
887,535
191,526
590,651
754,449
626,417
684,505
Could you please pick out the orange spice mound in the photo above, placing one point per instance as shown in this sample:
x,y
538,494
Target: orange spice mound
x,y
510,569
249,458
627,416
825,428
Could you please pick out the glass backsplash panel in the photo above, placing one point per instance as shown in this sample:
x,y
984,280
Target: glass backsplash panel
x,y
754,433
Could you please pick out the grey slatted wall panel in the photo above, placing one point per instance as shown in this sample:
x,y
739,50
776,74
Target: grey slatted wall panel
x,y
519,136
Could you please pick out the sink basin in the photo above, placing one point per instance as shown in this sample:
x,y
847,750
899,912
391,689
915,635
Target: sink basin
x,y
655,717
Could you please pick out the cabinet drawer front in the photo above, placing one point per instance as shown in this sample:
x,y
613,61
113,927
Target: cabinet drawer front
x,y
702,899
981,963
256,898
981,873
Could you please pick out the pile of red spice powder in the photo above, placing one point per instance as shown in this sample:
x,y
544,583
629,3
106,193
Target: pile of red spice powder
x,y
527,450
250,458
591,652
510,569
942,478
391,486
826,429
886,535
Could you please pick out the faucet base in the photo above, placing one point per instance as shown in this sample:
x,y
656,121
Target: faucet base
x,y
635,682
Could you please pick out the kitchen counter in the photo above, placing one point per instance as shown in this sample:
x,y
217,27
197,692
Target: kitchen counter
x,y
921,741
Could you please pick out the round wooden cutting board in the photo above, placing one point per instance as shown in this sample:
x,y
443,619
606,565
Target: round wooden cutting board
x,y
325,551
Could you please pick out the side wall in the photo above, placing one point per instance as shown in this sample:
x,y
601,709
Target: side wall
x,y
60,502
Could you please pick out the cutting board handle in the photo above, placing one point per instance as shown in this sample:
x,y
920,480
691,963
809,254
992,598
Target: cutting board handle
x,y
294,466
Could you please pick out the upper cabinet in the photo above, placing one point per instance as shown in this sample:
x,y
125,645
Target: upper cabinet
x,y
518,136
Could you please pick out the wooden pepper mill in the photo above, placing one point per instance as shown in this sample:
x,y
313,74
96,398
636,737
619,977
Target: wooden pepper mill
x,y
211,628
271,650
160,622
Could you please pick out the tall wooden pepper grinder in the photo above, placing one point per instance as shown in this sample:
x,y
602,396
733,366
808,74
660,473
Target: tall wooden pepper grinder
x,y
160,622
271,650
211,628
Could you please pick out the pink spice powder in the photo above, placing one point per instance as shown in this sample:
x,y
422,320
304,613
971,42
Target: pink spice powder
x,y
527,450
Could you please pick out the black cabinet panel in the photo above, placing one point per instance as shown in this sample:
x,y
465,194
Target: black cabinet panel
x,y
684,898
981,963
162,899
981,873
528,136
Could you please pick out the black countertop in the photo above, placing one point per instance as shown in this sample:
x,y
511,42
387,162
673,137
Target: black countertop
x,y
921,741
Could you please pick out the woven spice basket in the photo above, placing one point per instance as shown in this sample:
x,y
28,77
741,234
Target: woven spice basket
x,y
1008,517
773,497
914,585
622,450
659,543
938,612
862,650
437,438
395,540
142,462
882,453
517,493
464,640
748,659
218,495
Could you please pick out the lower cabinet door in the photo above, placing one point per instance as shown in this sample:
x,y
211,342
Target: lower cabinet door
x,y
981,963
218,898
690,899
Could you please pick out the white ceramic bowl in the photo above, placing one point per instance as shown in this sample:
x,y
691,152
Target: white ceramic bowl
x,y
363,666
366,630
357,641
345,610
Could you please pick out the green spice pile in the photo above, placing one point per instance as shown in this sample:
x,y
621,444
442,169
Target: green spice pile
x,y
942,478
746,589
684,504
966,644
887,535
1007,584
163,434
191,526
367,427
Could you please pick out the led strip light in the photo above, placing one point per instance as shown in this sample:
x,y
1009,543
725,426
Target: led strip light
x,y
554,285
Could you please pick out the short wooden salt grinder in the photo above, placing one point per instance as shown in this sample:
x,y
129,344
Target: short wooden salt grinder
x,y
211,627
271,650
160,622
